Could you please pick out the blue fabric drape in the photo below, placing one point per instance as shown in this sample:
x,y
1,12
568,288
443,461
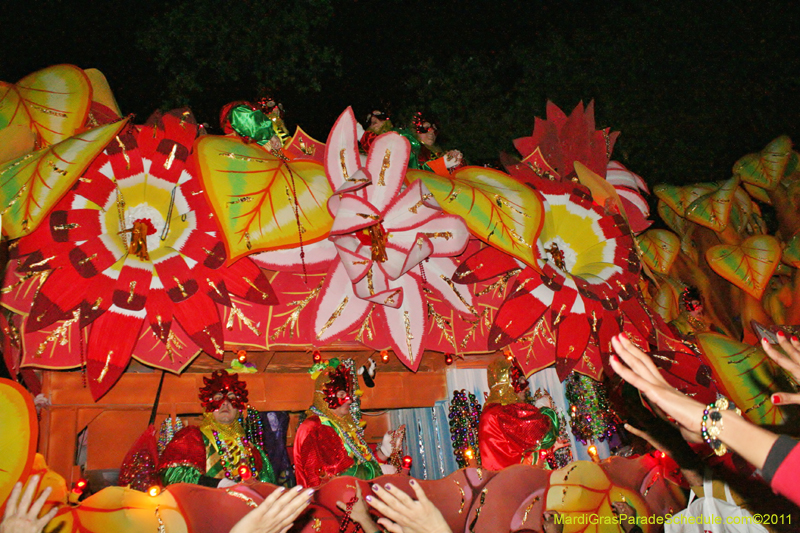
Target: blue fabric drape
x,y
427,440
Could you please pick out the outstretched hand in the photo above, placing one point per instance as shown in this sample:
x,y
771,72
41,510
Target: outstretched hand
x,y
20,515
789,362
643,374
359,513
277,513
405,515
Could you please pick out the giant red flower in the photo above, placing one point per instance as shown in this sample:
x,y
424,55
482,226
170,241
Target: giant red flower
x,y
135,257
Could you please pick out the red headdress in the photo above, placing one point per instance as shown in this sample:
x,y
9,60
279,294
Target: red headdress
x,y
222,382
331,377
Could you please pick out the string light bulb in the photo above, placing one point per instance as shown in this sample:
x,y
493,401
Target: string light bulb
x,y
448,359
385,356
244,472
80,486
316,356
407,461
154,491
241,355
508,354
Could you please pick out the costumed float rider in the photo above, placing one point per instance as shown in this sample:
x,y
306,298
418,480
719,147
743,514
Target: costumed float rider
x,y
330,441
425,154
220,452
377,123
511,430
261,123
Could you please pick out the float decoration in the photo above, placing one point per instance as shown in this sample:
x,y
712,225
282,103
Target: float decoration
x,y
42,109
382,235
562,140
18,420
498,209
658,249
32,184
133,248
589,269
304,146
262,201
748,265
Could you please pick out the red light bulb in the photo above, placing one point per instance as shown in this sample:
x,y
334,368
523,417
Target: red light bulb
x,y
316,356
245,473
448,359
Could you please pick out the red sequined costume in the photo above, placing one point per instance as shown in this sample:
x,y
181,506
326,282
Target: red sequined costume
x,y
510,431
327,445
204,455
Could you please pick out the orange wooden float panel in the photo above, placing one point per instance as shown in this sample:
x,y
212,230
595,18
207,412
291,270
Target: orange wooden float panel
x,y
120,416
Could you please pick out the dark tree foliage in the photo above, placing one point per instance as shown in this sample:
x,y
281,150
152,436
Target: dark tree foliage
x,y
210,52
692,85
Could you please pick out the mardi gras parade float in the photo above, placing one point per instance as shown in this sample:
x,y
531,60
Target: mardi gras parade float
x,y
445,300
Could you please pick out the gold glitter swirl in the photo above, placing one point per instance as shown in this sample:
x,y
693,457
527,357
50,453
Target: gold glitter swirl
x,y
59,335
171,157
124,153
103,372
528,509
236,312
463,496
87,259
231,155
132,291
387,157
246,499
414,208
180,287
291,322
458,294
263,294
365,327
409,336
345,175
336,314
443,324
478,510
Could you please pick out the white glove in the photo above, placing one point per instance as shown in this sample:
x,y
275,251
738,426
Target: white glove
x,y
388,469
386,445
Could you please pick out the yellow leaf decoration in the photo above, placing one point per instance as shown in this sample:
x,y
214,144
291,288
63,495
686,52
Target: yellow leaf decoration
x,y
766,168
748,265
101,91
713,209
52,103
32,184
497,208
679,198
676,223
758,193
121,509
262,202
18,436
659,248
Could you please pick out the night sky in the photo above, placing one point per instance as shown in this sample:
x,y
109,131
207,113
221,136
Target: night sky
x,y
692,86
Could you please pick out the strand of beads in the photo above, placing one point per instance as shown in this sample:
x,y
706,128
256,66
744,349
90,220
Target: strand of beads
x,y
713,414
231,460
465,412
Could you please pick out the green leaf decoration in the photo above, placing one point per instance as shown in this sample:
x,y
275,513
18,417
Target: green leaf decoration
x,y
253,195
745,375
766,168
498,209
659,248
32,184
748,265
713,209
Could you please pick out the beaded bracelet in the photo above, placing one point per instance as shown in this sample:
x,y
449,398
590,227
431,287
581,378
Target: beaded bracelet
x,y
713,414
